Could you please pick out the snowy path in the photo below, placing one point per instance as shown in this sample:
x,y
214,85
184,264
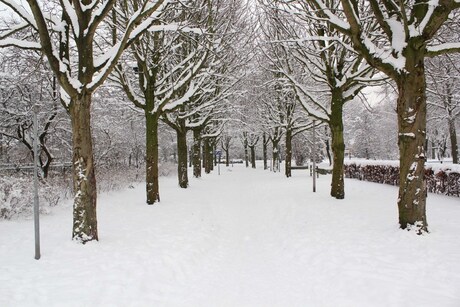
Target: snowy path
x,y
245,238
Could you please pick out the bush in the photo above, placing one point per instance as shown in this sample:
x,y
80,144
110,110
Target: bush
x,y
17,197
440,181
112,178
17,189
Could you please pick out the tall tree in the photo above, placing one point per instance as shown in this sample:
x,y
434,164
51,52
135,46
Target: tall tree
x,y
29,85
324,74
443,82
396,38
66,34
167,64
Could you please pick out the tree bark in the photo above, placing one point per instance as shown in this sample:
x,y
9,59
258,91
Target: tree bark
x,y
264,150
227,157
338,145
328,151
253,156
197,153
152,156
84,180
211,154
246,154
206,161
453,140
275,155
287,165
214,149
182,154
45,166
411,111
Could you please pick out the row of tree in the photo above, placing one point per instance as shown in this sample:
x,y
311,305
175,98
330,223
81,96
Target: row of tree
x,y
263,73
322,54
173,59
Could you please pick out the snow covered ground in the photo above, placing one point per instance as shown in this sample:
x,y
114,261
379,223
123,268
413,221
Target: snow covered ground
x,y
244,238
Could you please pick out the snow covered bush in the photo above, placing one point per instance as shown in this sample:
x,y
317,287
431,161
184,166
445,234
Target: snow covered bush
x,y
439,179
17,189
17,196
117,177
112,178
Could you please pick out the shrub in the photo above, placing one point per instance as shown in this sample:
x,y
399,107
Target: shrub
x,y
438,180
17,196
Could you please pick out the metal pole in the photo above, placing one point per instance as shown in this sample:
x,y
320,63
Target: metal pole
x,y
36,202
314,156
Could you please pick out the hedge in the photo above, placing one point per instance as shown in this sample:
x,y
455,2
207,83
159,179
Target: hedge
x,y
439,180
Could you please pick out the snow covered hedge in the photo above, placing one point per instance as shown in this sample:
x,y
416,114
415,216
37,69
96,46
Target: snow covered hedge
x,y
439,179
17,196
17,189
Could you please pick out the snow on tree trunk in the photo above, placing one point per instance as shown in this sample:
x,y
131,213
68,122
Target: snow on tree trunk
x,y
338,145
84,180
275,155
411,110
151,159
182,172
196,153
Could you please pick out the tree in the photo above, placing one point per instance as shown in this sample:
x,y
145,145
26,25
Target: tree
x,y
252,141
396,38
226,144
443,83
324,74
28,84
167,62
66,34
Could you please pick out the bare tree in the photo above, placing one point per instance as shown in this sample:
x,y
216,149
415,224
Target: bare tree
x,y
27,83
443,82
66,34
396,38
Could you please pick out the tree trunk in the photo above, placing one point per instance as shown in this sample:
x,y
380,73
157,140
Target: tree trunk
x,y
151,158
275,155
253,156
227,157
412,133
246,154
211,154
264,150
328,151
197,153
453,140
287,166
214,150
84,180
338,145
182,154
433,149
207,161
204,155
45,166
